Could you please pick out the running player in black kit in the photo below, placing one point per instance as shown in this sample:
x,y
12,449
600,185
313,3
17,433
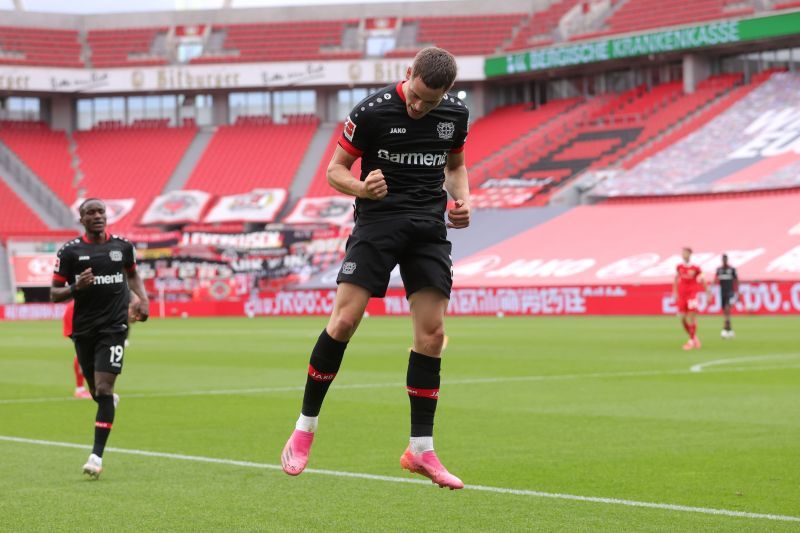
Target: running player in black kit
x,y
410,138
97,271
728,292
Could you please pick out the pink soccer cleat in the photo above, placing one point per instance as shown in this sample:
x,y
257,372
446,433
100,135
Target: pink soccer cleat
x,y
295,454
82,393
696,342
427,464
689,345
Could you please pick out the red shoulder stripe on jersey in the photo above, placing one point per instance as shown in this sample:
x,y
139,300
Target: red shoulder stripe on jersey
x,y
59,278
458,150
349,148
400,92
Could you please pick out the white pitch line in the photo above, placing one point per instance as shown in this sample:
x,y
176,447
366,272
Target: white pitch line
x,y
392,479
716,362
349,386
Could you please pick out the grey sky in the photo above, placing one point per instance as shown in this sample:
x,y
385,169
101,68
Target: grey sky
x,y
109,6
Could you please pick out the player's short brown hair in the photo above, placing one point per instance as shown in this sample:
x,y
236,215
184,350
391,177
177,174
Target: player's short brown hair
x,y
436,67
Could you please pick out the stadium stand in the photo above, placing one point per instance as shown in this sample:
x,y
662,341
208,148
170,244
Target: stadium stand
x,y
130,162
537,29
505,126
125,47
319,184
593,134
706,161
281,41
45,152
40,47
15,216
461,35
635,15
253,153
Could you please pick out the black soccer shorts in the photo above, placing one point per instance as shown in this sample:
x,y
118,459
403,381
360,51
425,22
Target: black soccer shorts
x,y
101,352
727,298
419,246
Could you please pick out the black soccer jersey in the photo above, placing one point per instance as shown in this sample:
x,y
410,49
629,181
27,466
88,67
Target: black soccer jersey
x,y
726,277
411,153
103,305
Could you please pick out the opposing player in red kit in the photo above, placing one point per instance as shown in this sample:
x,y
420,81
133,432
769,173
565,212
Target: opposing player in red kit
x,y
685,288
80,389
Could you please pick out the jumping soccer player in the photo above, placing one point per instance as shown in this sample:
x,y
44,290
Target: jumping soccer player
x,y
410,137
80,390
687,284
728,292
97,271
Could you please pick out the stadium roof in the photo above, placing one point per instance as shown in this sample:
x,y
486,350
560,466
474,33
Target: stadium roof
x,y
127,6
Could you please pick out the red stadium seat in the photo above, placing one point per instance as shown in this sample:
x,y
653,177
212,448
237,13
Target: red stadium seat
x,y
253,153
15,216
45,152
131,162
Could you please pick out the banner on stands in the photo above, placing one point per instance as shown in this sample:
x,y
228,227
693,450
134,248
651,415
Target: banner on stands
x,y
33,270
177,207
116,208
336,210
259,205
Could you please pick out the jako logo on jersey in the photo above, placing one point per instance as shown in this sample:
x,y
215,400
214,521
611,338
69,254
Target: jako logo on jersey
x,y
414,158
445,130
349,129
83,258
398,130
115,255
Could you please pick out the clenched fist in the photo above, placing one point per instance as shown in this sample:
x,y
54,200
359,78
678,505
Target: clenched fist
x,y
374,186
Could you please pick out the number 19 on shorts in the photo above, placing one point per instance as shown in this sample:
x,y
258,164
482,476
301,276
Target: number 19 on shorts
x,y
116,355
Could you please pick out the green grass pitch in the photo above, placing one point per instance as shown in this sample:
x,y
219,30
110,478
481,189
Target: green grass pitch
x,y
591,407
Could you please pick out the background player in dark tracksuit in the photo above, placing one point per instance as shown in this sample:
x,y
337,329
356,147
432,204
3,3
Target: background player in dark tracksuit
x,y
98,270
411,138
728,292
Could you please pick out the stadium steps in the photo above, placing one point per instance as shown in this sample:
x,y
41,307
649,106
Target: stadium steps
x,y
6,291
189,160
86,49
312,160
32,190
75,160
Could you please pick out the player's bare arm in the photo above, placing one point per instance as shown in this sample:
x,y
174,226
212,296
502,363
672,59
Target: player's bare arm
x,y
675,287
61,292
456,183
139,309
340,178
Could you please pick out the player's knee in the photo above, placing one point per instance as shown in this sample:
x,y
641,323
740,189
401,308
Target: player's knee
x,y
432,340
342,327
103,389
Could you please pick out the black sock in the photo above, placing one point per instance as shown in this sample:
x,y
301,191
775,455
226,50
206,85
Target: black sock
x,y
102,425
422,383
727,324
325,361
